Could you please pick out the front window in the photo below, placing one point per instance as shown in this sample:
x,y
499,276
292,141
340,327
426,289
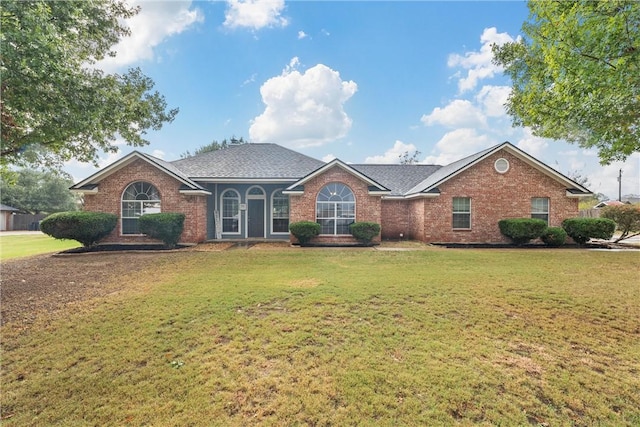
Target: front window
x,y
540,208
230,212
138,199
462,212
335,209
280,213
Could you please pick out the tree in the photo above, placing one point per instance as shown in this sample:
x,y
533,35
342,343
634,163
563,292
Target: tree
x,y
56,105
38,192
214,146
627,219
576,74
406,159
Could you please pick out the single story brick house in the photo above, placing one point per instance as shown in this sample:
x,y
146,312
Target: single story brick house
x,y
254,191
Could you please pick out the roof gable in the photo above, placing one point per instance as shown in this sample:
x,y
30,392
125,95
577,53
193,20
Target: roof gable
x,y
447,172
373,184
90,184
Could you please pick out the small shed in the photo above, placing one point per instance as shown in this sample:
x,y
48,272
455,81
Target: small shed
x,y
6,217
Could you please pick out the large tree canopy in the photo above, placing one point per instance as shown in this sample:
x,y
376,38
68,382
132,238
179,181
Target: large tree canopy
x,y
38,192
576,74
55,105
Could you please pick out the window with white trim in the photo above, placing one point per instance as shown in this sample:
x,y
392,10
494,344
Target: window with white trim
x,y
279,212
138,199
230,212
335,209
540,208
461,213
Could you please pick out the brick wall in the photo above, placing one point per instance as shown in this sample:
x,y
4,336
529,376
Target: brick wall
x,y
303,207
108,199
494,197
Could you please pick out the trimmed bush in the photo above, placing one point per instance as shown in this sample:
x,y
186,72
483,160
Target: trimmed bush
x,y
521,230
364,232
88,228
583,229
304,231
554,236
165,226
626,217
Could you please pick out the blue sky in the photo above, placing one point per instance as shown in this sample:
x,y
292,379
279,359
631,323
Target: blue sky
x,y
363,81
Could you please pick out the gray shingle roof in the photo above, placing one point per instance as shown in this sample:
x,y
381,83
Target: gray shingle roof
x,y
248,161
398,178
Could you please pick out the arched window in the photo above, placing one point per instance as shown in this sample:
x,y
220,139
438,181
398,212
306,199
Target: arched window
x,y
138,199
335,208
230,212
280,212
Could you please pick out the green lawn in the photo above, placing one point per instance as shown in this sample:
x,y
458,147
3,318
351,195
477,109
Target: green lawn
x,y
21,245
341,337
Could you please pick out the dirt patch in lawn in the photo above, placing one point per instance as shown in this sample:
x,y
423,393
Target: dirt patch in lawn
x,y
47,283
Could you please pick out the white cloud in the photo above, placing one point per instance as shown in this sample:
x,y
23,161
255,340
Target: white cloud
x,y
478,63
459,113
155,23
328,158
255,14
158,153
303,109
458,144
302,35
393,154
492,99
532,144
605,178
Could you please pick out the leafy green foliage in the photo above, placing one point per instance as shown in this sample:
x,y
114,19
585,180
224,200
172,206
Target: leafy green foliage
x,y
215,146
626,217
87,228
583,229
364,231
55,106
165,226
575,74
554,236
36,191
304,231
521,230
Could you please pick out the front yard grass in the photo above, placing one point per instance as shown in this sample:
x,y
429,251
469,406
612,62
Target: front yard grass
x,y
21,245
341,337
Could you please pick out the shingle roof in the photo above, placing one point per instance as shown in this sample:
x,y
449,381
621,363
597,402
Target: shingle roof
x,y
248,161
8,208
445,171
398,178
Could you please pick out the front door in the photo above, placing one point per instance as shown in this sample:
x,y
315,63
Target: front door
x,y
255,218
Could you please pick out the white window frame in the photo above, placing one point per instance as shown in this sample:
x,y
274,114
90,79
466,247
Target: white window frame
x,y
455,212
538,208
234,217
335,208
141,209
273,211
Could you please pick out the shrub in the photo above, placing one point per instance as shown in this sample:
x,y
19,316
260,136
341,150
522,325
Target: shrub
x,y
88,228
554,236
304,231
583,229
165,226
626,217
521,230
364,232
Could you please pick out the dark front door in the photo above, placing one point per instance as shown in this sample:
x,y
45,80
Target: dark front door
x,y
255,218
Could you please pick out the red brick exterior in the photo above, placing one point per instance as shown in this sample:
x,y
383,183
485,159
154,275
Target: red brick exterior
x,y
303,207
110,189
494,196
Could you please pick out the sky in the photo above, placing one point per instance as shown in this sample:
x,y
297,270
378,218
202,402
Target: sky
x,y
362,81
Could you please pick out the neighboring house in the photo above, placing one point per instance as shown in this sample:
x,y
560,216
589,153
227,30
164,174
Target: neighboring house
x,y
609,203
6,217
254,191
